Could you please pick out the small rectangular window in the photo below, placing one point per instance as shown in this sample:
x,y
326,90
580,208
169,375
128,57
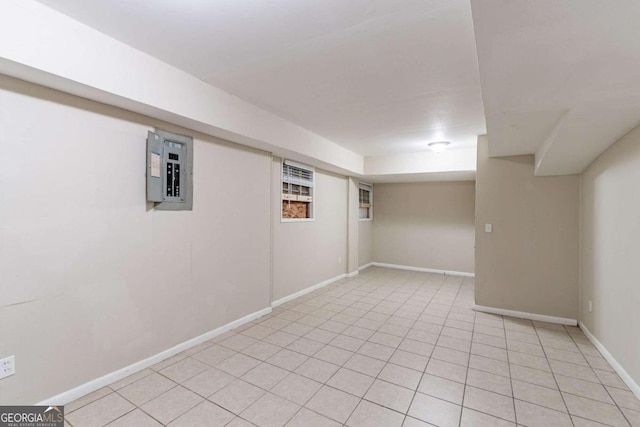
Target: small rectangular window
x,y
366,201
297,191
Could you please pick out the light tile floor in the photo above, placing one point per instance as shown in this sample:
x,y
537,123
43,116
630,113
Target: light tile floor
x,y
386,348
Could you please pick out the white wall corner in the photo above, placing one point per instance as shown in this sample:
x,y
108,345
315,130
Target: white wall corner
x,y
546,145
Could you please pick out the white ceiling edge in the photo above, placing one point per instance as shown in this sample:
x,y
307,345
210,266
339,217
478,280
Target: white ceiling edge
x,y
45,47
42,46
463,159
421,177
580,137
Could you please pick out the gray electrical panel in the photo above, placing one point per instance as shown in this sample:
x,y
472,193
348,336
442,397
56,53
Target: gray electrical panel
x,y
170,170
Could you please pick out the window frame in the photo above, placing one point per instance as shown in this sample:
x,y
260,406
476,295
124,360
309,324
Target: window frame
x,y
365,186
312,204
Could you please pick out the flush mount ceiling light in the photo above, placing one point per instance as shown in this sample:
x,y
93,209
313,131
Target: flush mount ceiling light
x,y
439,146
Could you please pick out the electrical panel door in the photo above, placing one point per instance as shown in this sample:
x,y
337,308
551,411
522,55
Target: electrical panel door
x,y
169,177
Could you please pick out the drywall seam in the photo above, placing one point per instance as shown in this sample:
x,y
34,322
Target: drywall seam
x,y
307,290
635,388
93,385
526,315
426,270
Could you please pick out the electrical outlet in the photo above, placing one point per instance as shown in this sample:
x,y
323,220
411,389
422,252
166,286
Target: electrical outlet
x,y
7,366
488,228
339,260
590,306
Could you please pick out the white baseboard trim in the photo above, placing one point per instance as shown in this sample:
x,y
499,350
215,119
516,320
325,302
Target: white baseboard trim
x,y
362,267
353,273
425,270
525,315
307,290
635,388
93,385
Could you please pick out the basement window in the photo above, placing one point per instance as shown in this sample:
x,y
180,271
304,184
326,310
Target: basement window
x,y
297,192
366,201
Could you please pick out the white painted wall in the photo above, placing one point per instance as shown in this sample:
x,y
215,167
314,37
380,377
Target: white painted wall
x,y
92,279
530,261
306,253
427,225
365,242
610,228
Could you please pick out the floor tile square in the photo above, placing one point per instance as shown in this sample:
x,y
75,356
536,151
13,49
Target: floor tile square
x,y
377,351
305,346
351,382
237,396
390,396
450,355
624,398
208,382
214,355
333,403
321,335
258,332
417,347
435,411
471,418
369,414
307,418
265,376
447,370
533,415
101,411
170,405
238,364
135,418
281,338
489,403
596,411
442,388
317,370
358,332
489,365
261,350
147,388
238,342
347,343
184,369
386,339
409,360
538,395
365,365
335,355
490,382
583,388
287,359
401,376
296,388
270,411
100,393
203,414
